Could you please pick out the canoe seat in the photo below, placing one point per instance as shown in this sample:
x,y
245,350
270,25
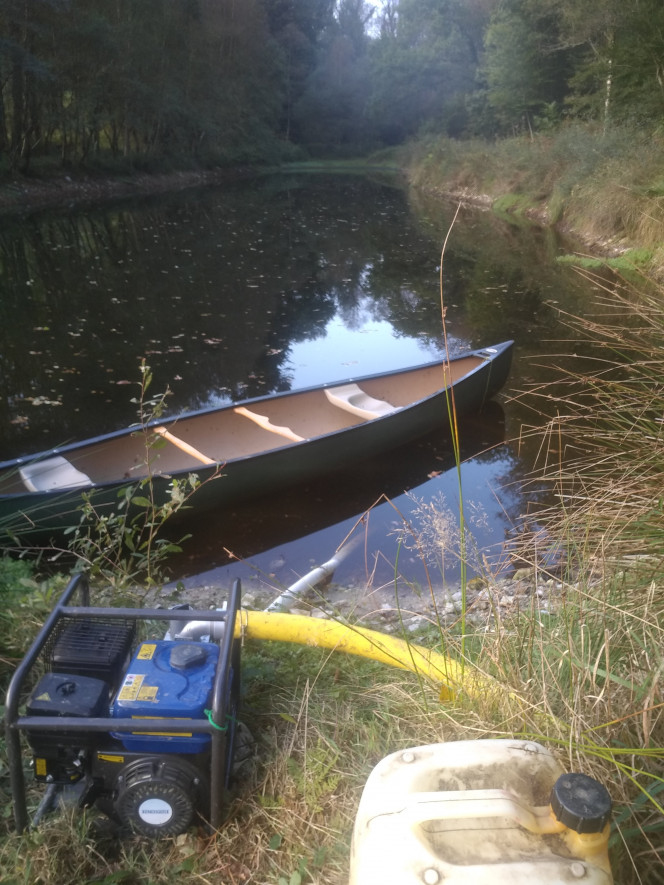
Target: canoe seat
x,y
183,446
264,422
353,399
52,473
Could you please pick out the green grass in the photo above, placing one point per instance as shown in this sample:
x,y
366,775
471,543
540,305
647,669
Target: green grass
x,y
582,680
629,261
510,204
384,162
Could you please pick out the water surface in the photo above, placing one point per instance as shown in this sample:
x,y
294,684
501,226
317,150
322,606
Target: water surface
x,y
276,284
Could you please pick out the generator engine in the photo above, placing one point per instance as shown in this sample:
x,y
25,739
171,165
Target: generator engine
x,y
155,782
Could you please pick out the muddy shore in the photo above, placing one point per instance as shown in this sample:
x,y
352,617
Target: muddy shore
x,y
22,195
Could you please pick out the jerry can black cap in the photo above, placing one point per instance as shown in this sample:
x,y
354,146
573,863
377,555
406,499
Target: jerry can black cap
x,y
581,803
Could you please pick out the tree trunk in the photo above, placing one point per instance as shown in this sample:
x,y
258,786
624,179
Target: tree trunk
x,y
607,84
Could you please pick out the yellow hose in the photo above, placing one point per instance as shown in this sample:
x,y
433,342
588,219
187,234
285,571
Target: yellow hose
x,y
366,643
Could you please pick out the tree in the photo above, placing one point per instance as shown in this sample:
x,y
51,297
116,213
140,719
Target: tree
x,y
142,79
331,115
621,73
425,63
296,27
525,68
23,73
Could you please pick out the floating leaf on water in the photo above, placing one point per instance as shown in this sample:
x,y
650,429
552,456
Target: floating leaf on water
x,y
43,401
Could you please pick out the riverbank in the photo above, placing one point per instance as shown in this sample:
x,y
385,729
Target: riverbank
x,y
605,190
487,602
21,195
58,189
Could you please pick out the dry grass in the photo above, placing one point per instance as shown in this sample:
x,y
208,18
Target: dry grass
x,y
606,187
598,658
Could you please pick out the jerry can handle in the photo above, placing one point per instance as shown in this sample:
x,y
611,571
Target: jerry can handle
x,y
424,807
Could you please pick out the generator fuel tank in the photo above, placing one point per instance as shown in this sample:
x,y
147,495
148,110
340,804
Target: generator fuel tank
x,y
167,680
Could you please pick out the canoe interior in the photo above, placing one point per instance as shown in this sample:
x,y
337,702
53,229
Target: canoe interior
x,y
224,435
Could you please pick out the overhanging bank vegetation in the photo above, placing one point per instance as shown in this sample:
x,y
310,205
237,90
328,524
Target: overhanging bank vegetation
x,y
605,189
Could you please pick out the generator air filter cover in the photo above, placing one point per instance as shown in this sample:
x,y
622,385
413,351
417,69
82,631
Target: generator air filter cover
x,y
92,648
66,694
167,680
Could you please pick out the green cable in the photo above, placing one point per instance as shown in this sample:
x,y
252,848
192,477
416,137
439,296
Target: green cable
x,y
229,719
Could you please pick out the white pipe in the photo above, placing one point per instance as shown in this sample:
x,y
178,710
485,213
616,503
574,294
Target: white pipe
x,y
215,629
195,629
309,581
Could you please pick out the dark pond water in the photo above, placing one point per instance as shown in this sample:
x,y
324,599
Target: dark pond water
x,y
269,285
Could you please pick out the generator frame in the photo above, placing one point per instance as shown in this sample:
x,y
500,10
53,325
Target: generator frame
x,y
216,725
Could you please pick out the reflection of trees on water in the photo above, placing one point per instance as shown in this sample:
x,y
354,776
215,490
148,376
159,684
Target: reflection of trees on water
x,y
503,278
213,289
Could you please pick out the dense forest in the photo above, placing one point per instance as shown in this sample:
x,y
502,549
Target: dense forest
x,y
148,83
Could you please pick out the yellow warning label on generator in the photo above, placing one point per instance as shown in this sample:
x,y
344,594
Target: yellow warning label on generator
x,y
146,651
40,767
148,693
165,733
131,687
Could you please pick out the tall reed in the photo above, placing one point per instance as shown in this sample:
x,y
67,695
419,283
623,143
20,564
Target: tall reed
x,y
594,660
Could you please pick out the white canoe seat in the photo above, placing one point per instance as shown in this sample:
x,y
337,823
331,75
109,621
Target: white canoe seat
x,y
353,399
52,473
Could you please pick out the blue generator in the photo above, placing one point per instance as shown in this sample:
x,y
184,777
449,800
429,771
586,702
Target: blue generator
x,y
142,730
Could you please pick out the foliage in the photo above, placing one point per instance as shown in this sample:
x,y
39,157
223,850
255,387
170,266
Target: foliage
x,y
139,80
26,601
524,74
424,62
153,83
330,114
125,545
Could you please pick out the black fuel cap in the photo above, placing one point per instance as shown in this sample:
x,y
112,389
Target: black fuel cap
x,y
581,803
185,656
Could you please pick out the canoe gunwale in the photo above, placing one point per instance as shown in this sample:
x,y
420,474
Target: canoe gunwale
x,y
488,354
